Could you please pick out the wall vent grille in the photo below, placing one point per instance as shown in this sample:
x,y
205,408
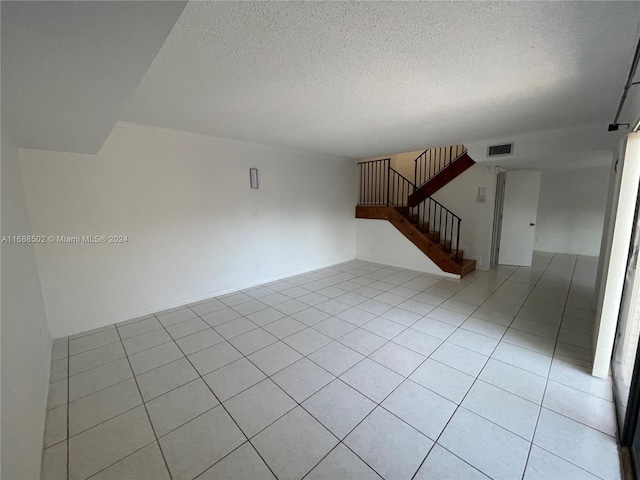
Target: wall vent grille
x,y
500,150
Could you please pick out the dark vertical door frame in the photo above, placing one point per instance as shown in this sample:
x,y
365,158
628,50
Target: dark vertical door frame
x,y
629,437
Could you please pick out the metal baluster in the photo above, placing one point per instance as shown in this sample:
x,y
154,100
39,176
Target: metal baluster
x,y
380,180
378,183
457,240
440,223
387,182
359,185
380,192
446,220
366,180
393,195
393,188
374,193
435,206
430,165
370,184
451,239
373,182
430,216
362,183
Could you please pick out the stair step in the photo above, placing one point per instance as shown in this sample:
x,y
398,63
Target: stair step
x,y
468,266
434,249
447,249
460,255
432,234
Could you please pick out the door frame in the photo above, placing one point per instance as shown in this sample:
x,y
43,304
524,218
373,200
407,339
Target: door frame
x,y
501,180
633,402
517,238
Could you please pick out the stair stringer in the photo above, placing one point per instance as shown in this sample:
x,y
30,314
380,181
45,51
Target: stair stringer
x,y
379,241
431,249
442,178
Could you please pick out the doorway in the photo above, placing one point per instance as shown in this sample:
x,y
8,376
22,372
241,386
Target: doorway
x,y
625,362
497,217
628,329
515,215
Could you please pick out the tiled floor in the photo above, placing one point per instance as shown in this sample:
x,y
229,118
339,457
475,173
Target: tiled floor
x,y
354,371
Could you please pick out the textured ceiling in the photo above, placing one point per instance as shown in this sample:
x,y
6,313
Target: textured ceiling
x,y
68,68
367,78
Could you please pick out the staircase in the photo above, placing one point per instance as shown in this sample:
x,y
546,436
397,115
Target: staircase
x,y
385,194
436,167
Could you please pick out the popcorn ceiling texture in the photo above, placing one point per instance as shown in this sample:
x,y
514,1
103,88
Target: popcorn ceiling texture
x,y
367,78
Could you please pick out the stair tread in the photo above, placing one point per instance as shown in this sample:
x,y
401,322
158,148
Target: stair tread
x,y
443,257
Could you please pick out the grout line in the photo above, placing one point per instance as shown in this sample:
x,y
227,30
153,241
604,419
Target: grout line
x,y
551,364
94,331
123,458
379,404
226,411
442,341
570,462
459,405
68,397
96,348
147,412
300,403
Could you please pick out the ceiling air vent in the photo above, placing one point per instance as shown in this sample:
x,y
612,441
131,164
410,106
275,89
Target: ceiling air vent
x,y
500,150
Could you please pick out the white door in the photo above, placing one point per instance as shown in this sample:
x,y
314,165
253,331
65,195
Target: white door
x,y
519,214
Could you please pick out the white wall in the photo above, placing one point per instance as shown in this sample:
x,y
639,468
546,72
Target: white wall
x,y
26,344
571,211
589,145
460,196
195,229
379,241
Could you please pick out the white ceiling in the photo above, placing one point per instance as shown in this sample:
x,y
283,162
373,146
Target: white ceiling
x,y
368,78
68,68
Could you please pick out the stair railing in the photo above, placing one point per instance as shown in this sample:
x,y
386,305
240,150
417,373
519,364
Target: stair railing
x,y
382,185
433,160
440,224
373,178
400,188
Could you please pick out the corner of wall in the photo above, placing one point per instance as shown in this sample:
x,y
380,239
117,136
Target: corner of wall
x,y
26,343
